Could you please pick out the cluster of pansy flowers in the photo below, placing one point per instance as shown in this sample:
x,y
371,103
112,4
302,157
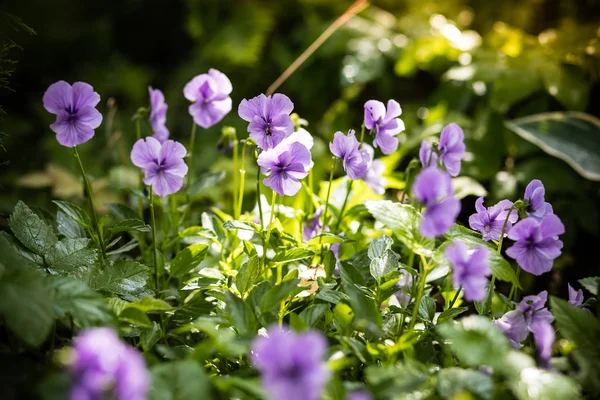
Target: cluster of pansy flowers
x,y
291,365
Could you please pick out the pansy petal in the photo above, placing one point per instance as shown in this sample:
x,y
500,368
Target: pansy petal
x,y
145,152
191,90
167,184
393,111
374,113
58,97
84,96
89,116
223,83
279,104
388,144
70,135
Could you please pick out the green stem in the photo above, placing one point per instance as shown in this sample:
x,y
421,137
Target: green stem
x,y
242,181
455,298
235,178
310,186
348,190
88,190
406,181
327,198
513,290
260,212
362,132
191,152
138,135
273,200
154,253
423,275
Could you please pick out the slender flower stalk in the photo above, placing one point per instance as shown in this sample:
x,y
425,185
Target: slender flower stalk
x,y
348,190
88,191
191,154
260,212
154,253
273,200
423,270
138,136
242,172
235,178
456,295
327,197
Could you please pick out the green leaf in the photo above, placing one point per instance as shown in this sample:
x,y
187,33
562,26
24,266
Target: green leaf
x,y
26,303
476,341
573,137
591,284
135,317
277,293
68,227
402,377
71,255
290,255
567,84
148,304
541,384
514,84
329,264
150,336
34,233
73,297
188,259
122,211
364,306
325,238
379,246
129,225
498,264
241,315
74,212
381,266
404,221
241,225
248,274
427,308
125,278
180,380
466,186
193,231
451,382
581,328
450,314
313,313
9,245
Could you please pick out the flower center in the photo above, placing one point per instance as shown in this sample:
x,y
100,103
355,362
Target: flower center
x,y
72,118
486,228
268,129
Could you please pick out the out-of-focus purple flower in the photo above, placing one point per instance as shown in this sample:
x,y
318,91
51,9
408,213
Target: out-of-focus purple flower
x,y
285,165
489,221
359,395
534,310
544,337
375,169
469,272
537,243
314,226
269,118
385,123
75,110
433,188
210,96
575,296
162,164
405,283
354,161
514,326
536,206
291,365
103,365
158,114
451,150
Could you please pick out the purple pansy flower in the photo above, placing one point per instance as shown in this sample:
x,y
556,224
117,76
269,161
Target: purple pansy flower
x,y
75,110
514,326
385,123
210,94
536,206
285,165
469,272
534,310
544,337
537,243
575,296
291,365
158,114
314,226
269,118
103,365
489,221
451,150
162,164
346,148
433,188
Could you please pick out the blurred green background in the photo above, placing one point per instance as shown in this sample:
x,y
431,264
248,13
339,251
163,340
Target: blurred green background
x,y
478,63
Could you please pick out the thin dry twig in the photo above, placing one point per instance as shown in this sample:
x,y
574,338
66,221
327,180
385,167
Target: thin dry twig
x,y
354,9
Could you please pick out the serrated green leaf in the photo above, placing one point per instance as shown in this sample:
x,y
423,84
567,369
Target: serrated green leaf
x,y
68,227
241,225
248,274
591,284
290,255
379,246
404,221
136,317
150,336
450,314
241,315
325,238
125,278
277,293
381,266
74,212
364,306
427,308
15,246
476,341
34,233
71,255
148,304
188,259
129,225
86,306
313,313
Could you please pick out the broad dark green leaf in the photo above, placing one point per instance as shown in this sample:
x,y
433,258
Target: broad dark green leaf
x,y
71,255
427,308
129,225
402,377
450,314
188,259
541,384
379,246
180,380
125,278
451,382
325,238
277,293
364,306
68,227
247,275
150,336
476,341
150,304
74,212
573,137
73,297
291,255
381,266
313,313
34,233
404,221
122,212
591,284
241,315
9,245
